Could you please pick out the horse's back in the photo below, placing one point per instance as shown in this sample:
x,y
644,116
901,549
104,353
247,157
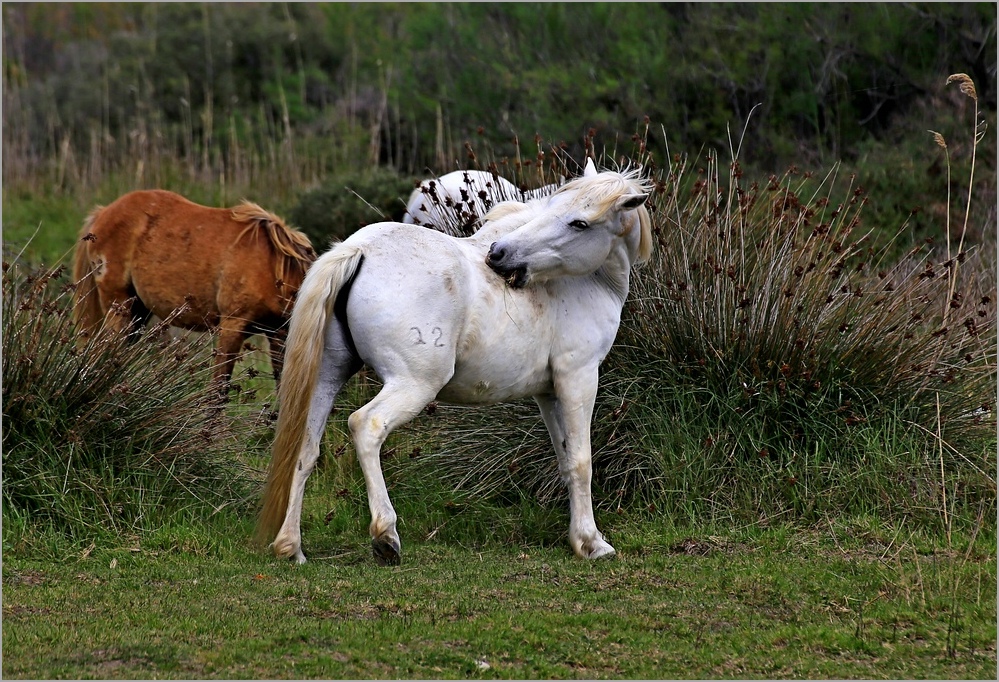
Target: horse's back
x,y
426,303
160,221
411,261
175,253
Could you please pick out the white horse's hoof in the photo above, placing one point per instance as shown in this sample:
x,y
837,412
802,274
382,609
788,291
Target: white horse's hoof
x,y
602,551
386,550
597,548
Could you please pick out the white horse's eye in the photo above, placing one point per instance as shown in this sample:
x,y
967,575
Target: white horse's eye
x,y
579,224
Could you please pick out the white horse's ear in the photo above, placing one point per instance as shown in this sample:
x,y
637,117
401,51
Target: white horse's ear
x,y
589,170
631,201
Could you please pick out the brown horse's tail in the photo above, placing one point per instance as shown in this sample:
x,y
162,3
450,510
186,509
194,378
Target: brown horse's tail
x,y
303,352
87,312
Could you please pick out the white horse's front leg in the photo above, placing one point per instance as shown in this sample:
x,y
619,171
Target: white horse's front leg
x,y
567,417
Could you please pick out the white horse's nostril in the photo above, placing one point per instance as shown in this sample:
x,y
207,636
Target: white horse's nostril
x,y
496,254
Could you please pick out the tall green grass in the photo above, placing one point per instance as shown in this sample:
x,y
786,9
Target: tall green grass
x,y
112,434
776,359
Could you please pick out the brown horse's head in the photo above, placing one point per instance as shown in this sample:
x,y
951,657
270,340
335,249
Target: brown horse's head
x,y
293,252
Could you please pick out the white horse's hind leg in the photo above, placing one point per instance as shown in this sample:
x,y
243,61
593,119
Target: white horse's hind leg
x,y
395,404
338,365
568,421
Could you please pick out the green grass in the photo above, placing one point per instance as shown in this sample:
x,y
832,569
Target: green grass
x,y
849,601
45,227
494,583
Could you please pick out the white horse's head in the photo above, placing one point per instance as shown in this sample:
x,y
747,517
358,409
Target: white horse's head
x,y
574,231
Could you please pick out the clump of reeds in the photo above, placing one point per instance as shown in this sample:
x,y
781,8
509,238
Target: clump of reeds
x,y
771,360
115,433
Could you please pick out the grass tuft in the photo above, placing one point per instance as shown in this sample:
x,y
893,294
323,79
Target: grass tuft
x,y
112,433
773,361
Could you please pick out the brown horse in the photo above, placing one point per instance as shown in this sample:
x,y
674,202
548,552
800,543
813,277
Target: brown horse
x,y
234,270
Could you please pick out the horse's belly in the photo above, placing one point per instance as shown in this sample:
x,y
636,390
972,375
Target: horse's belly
x,y
473,385
494,366
191,306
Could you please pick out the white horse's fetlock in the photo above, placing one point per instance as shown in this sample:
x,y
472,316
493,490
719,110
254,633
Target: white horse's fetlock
x,y
593,548
295,554
286,548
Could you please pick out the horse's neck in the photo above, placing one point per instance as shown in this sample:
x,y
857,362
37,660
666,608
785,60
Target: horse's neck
x,y
615,273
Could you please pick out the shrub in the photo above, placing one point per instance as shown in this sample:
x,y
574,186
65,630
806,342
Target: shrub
x,y
344,204
771,361
110,434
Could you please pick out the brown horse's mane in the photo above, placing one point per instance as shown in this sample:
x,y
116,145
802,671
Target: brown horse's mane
x,y
293,249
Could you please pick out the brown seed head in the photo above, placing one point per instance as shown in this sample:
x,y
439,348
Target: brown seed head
x,y
939,139
967,85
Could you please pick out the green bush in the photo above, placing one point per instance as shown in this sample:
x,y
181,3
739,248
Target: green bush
x,y
109,435
770,361
345,203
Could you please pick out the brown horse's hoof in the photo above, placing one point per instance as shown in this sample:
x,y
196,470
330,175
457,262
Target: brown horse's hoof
x,y
386,552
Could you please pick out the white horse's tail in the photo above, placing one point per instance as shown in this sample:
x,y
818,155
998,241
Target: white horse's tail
x,y
303,353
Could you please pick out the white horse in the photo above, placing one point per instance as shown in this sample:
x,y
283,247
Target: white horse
x,y
528,306
461,198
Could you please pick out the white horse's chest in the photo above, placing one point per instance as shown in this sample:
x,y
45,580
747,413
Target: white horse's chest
x,y
502,354
516,341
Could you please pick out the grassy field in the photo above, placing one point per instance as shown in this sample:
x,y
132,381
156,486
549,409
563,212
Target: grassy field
x,y
491,590
853,600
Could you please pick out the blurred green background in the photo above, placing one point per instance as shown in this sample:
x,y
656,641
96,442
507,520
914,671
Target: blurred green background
x,y
274,100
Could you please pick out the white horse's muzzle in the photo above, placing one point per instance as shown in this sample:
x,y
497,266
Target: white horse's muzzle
x,y
498,259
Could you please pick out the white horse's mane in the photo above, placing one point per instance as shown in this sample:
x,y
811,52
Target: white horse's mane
x,y
606,188
509,208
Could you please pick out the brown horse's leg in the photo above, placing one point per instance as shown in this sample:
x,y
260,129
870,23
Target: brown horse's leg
x,y
123,310
232,335
276,339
